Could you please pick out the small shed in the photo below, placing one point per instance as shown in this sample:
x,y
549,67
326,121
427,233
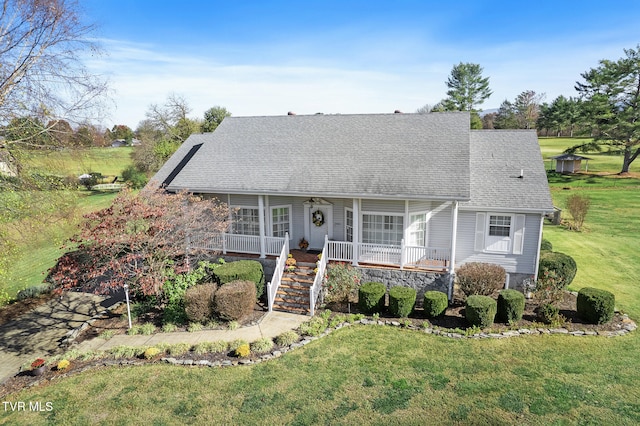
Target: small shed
x,y
570,163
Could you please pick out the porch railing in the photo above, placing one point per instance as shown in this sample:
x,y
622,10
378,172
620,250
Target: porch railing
x,y
316,288
237,243
388,254
272,286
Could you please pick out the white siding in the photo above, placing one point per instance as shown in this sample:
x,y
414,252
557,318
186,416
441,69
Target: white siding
x,y
440,226
383,206
419,206
513,263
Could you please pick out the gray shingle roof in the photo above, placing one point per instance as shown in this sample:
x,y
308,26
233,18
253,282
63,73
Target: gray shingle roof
x,y
374,155
497,158
413,156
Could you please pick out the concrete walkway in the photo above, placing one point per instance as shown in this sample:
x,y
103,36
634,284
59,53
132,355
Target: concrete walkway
x,y
272,324
38,333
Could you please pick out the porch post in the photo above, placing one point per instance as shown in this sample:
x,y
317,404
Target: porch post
x,y
262,226
452,255
356,231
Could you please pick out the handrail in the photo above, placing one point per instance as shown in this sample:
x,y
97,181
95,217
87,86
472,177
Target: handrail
x,y
316,288
274,284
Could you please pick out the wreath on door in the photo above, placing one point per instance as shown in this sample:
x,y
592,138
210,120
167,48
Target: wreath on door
x,y
318,218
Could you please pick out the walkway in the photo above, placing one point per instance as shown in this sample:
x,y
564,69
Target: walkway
x,y
39,332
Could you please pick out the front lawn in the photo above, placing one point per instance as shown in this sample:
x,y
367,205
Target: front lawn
x,y
368,375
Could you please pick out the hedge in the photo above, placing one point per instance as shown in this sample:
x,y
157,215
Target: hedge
x,y
480,310
562,264
435,303
234,300
243,270
480,278
510,306
198,301
401,301
371,297
595,305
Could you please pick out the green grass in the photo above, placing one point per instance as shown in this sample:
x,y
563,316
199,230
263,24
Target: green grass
x,y
384,375
602,162
108,161
368,375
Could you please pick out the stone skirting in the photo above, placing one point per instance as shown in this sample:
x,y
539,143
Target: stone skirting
x,y
421,281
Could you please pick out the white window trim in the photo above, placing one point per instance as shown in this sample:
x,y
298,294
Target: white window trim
x,y
425,231
516,232
235,211
348,209
282,206
362,214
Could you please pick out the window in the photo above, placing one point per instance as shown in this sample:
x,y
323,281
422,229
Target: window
x,y
499,226
246,221
501,233
348,225
417,229
280,221
382,229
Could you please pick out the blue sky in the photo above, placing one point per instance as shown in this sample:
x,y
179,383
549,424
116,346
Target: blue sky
x,y
271,57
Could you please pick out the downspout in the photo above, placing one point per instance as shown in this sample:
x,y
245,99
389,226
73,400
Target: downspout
x,y
454,235
537,265
263,252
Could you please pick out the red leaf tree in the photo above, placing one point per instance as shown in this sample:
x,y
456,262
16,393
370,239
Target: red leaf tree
x,y
138,240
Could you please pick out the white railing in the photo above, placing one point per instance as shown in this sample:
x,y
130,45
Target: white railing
x,y
316,288
429,257
340,250
237,243
272,286
385,254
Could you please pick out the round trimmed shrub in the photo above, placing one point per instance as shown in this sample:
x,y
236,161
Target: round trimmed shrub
x,y
480,278
510,306
371,297
234,300
241,270
548,313
545,245
198,302
401,301
435,303
480,310
595,305
561,264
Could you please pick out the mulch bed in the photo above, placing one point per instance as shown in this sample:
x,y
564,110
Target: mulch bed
x,y
452,320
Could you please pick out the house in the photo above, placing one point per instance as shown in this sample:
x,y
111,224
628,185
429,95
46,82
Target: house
x,y
420,193
570,163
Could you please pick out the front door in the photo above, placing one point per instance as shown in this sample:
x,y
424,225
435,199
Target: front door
x,y
319,221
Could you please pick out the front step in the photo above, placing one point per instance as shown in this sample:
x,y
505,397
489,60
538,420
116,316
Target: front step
x,y
293,292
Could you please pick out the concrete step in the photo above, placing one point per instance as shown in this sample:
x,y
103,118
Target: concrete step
x,y
286,307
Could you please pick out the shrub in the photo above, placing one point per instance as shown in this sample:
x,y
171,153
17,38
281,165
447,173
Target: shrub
x,y
578,206
219,346
34,291
548,313
235,300
178,349
287,338
147,329
401,301
561,264
134,177
198,302
480,310
510,306
233,325
169,327
63,364
595,305
371,297
241,270
151,353
236,344
545,245
435,303
194,326
342,282
262,345
314,327
243,350
483,279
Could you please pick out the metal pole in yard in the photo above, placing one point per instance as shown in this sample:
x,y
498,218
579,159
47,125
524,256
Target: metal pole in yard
x,y
126,295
